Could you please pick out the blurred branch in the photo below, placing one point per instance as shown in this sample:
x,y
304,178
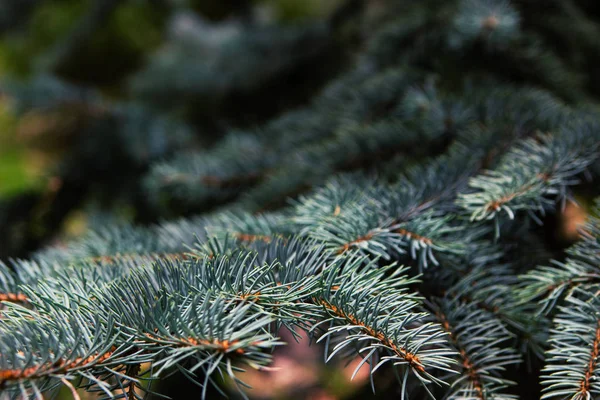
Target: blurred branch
x,y
14,13
346,12
66,50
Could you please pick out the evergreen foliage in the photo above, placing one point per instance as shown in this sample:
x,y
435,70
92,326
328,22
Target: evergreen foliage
x,y
375,181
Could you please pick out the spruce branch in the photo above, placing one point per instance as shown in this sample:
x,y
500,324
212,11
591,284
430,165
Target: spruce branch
x,y
553,163
481,361
549,285
572,359
372,315
495,22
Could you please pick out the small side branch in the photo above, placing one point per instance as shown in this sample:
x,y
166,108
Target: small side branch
x,y
14,298
592,365
412,359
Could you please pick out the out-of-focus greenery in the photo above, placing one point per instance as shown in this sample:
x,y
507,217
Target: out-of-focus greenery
x,y
132,32
135,26
292,10
18,169
50,21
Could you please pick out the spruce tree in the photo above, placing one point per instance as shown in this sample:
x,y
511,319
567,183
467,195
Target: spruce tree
x,y
384,179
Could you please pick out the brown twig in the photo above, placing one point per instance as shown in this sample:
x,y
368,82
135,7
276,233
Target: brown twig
x,y
467,364
584,387
58,367
412,359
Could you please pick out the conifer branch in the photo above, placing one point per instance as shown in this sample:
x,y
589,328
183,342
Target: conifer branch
x,y
385,315
536,185
549,285
481,361
571,363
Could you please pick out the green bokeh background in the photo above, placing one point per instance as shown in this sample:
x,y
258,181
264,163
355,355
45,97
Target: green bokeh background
x,y
132,33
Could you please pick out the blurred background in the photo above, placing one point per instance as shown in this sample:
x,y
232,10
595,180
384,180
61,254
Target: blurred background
x,y
88,85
